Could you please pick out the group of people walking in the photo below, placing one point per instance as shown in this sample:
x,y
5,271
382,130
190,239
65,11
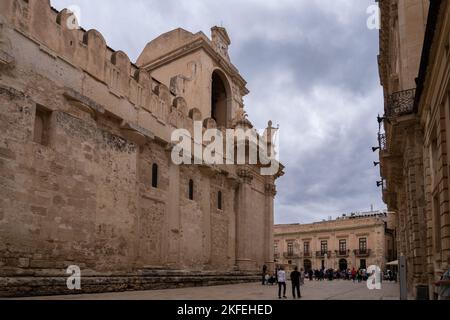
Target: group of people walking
x,y
355,275
297,278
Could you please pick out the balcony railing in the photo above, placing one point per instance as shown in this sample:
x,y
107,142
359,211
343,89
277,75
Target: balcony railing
x,y
401,103
382,141
276,256
291,255
344,253
321,254
307,254
362,253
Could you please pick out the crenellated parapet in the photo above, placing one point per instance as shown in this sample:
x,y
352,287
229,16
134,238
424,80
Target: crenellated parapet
x,y
58,35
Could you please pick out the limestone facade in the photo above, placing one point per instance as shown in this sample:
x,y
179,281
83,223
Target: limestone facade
x,y
355,240
414,72
85,169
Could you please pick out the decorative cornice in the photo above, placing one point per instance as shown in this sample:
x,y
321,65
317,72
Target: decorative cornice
x,y
84,102
246,175
136,133
271,189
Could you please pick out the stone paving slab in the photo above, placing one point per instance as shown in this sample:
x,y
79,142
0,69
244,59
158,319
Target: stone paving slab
x,y
312,290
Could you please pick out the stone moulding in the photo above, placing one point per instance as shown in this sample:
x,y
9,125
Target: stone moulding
x,y
83,102
136,133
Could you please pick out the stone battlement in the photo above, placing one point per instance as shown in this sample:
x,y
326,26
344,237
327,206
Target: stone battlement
x,y
130,93
84,49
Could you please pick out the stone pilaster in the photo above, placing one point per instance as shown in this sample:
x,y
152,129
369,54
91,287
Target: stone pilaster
x,y
268,223
173,222
243,221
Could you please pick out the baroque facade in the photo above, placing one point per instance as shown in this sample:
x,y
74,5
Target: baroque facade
x,y
351,241
85,161
415,72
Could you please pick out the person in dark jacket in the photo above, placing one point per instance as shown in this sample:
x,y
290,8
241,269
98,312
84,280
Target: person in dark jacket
x,y
264,272
295,279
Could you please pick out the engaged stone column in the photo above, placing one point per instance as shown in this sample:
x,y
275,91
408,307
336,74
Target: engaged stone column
x,y
206,213
173,217
268,226
243,223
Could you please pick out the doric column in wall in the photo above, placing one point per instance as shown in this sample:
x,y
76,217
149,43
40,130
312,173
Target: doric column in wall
x,y
445,214
206,212
428,213
402,245
243,221
173,232
407,225
268,224
234,183
417,206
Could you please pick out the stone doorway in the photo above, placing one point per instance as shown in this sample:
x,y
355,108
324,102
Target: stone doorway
x,y
343,265
307,265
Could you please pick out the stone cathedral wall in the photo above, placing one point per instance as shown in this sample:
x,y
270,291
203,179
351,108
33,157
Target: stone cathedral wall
x,y
80,128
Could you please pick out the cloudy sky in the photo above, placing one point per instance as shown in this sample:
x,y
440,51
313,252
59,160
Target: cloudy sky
x,y
311,67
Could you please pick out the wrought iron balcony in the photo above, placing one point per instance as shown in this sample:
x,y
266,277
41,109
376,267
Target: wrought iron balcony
x,y
401,103
321,254
344,253
307,254
362,253
382,141
291,255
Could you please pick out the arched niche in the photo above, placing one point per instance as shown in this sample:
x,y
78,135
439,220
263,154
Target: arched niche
x,y
220,99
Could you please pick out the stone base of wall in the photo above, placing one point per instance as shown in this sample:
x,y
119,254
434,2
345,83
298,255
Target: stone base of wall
x,y
24,286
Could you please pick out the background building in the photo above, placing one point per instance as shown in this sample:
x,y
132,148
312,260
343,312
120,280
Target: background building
x,y
356,240
86,173
414,72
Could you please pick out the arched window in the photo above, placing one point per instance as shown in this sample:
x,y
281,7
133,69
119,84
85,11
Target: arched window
x,y
219,99
191,190
155,175
219,200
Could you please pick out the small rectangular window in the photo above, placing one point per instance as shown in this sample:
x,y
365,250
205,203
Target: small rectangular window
x,y
324,246
362,245
42,125
290,248
191,190
306,248
155,175
219,200
342,246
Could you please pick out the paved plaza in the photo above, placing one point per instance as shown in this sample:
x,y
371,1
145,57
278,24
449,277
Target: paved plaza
x,y
312,290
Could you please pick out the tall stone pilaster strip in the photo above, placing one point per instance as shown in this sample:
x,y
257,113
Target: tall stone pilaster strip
x,y
269,222
173,217
443,188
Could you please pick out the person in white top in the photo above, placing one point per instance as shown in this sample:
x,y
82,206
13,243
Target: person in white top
x,y
281,275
